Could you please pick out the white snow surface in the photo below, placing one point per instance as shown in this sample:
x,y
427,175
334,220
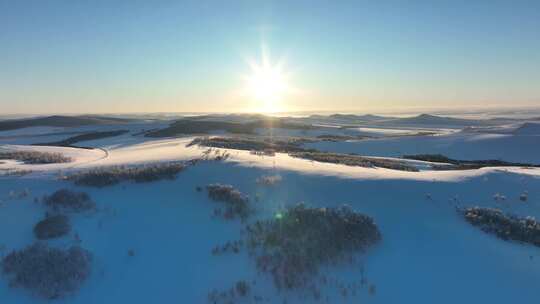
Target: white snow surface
x,y
428,253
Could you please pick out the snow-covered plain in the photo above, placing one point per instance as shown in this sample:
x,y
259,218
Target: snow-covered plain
x,y
460,145
428,253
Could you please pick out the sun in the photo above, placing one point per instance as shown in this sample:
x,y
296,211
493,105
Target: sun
x,y
266,85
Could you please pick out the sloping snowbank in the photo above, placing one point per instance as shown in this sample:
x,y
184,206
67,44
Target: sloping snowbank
x,y
176,150
428,253
30,131
528,128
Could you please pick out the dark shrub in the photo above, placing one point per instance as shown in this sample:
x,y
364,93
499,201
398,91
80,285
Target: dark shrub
x,y
52,227
237,203
242,288
436,158
295,243
102,177
256,145
96,178
35,157
463,164
234,247
67,200
372,290
337,138
48,272
237,292
506,227
354,160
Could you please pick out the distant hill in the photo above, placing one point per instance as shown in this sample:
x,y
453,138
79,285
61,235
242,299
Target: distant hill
x,y
71,141
433,120
367,117
349,118
60,121
237,118
198,126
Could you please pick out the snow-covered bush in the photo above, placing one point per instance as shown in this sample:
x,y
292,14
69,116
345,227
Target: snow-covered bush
x,y
499,197
14,172
293,245
237,203
19,194
102,177
269,180
48,272
233,247
506,227
238,292
372,290
266,152
71,201
242,288
52,227
35,157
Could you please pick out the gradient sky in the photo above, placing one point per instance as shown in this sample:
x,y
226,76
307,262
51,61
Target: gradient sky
x,y
138,56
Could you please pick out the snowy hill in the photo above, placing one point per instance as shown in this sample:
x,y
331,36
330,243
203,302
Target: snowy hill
x,y
154,241
59,121
528,128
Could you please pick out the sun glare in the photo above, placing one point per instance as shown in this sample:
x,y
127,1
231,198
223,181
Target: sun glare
x,y
266,85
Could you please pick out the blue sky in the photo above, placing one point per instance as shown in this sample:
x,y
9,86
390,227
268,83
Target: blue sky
x,y
137,56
